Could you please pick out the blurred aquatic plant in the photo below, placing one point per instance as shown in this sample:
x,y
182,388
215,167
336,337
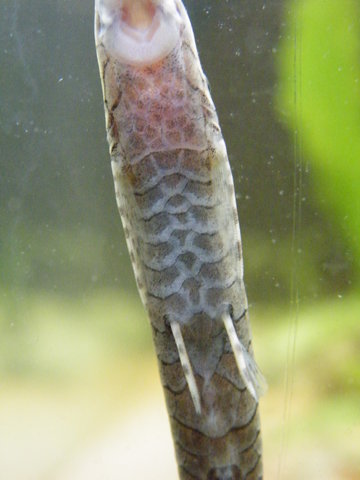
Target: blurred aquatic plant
x,y
319,98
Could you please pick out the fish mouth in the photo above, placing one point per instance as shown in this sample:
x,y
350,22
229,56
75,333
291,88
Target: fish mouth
x,y
138,32
139,19
138,14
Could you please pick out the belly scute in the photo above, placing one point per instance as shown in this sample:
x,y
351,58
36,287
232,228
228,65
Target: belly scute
x,y
203,287
186,249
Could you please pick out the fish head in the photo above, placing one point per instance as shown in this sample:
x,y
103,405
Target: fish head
x,y
139,32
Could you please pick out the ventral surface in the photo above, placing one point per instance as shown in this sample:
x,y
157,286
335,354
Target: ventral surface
x,y
175,194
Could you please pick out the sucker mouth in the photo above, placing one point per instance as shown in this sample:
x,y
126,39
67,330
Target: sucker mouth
x,y
139,19
137,32
138,14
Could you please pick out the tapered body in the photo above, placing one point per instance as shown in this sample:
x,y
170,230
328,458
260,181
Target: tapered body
x,y
176,199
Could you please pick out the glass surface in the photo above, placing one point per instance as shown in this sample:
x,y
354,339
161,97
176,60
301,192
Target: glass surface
x,y
80,396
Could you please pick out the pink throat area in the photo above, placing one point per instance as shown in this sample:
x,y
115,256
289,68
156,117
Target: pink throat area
x,y
161,111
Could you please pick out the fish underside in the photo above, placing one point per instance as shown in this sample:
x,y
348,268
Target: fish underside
x,y
175,194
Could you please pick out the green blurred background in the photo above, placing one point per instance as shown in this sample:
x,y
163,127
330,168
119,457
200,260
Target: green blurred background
x,y
79,391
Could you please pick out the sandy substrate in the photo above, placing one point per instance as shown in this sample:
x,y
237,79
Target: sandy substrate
x,y
124,453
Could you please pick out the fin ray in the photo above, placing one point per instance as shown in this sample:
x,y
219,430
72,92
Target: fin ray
x,y
249,371
186,365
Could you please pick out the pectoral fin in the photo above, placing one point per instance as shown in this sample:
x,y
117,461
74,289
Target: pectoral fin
x,y
248,369
186,365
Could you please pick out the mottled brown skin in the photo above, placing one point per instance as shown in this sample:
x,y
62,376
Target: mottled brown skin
x,y
176,199
198,453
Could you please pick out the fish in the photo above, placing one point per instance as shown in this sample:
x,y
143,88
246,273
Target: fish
x,y
175,194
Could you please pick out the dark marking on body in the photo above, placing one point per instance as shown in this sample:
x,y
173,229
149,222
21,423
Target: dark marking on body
x,y
113,148
113,128
231,472
103,73
127,170
116,102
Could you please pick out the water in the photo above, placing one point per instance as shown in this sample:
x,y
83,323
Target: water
x,y
75,347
